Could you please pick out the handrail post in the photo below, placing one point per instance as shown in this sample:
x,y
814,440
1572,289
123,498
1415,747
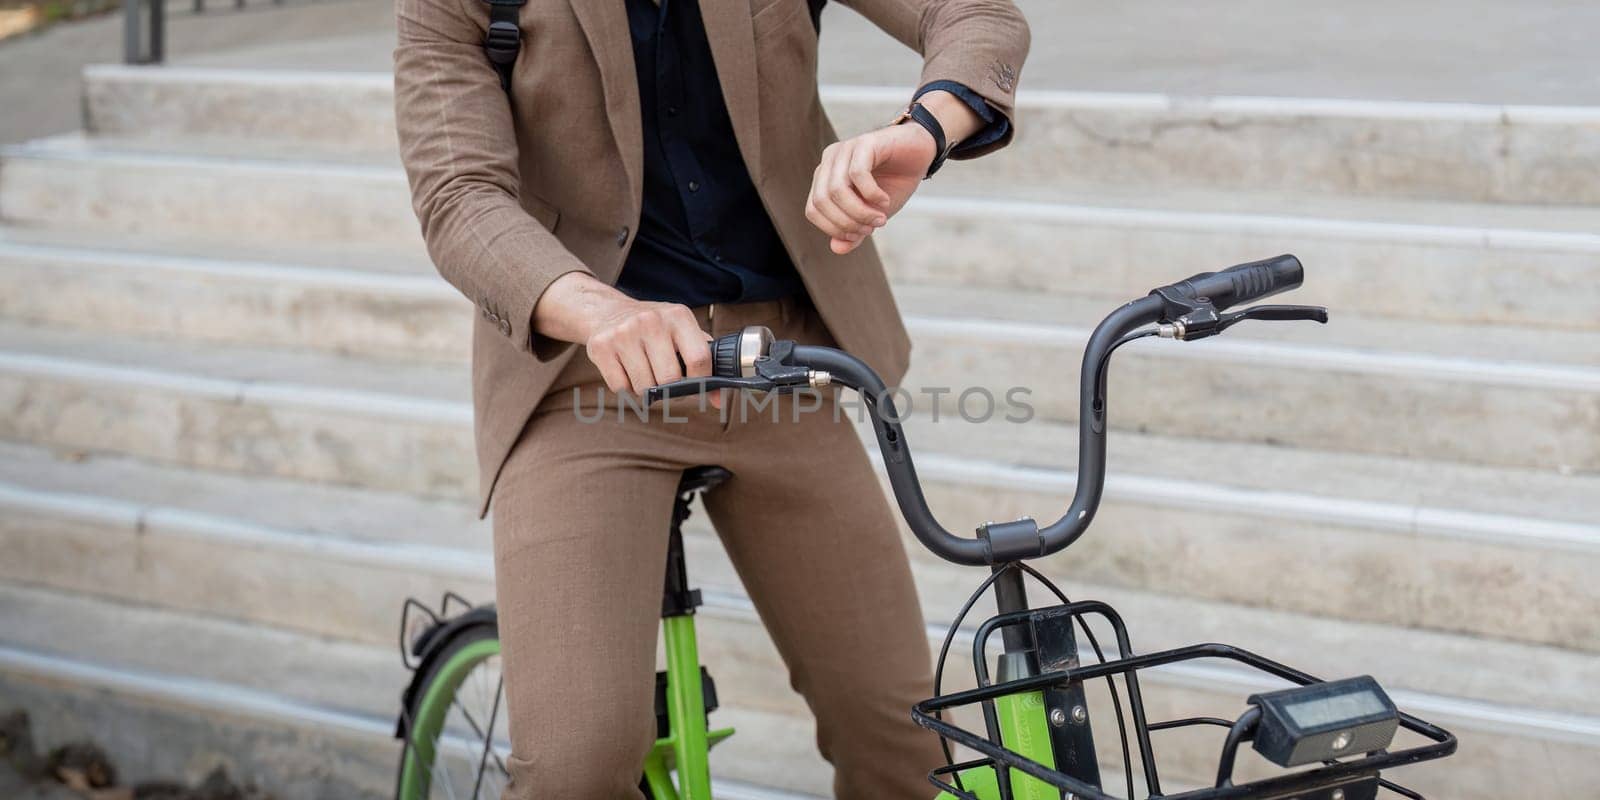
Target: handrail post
x,y
131,14
143,31
158,31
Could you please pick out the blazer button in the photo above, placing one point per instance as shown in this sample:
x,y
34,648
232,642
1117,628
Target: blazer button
x,y
505,327
622,237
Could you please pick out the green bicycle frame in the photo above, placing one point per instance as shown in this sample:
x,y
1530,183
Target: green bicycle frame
x,y
687,745
1024,723
1025,729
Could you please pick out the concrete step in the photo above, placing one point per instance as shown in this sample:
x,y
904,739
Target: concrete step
x,y
1441,262
247,410
273,668
1447,262
1463,152
1356,385
73,183
1532,396
161,727
344,114
160,715
265,413
373,304
336,562
266,679
388,306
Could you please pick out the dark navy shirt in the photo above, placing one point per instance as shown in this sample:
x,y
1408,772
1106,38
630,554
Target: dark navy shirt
x,y
704,236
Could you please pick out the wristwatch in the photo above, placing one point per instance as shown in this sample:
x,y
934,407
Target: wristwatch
x,y
918,113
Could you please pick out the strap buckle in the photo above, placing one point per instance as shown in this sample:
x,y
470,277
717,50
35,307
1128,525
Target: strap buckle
x,y
502,42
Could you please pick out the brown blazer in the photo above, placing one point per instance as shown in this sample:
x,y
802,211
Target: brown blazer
x,y
512,195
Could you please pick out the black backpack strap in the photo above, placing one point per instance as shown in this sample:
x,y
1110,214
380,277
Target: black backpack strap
x,y
816,13
503,40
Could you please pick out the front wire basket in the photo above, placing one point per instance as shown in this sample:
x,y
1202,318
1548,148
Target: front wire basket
x,y
1323,781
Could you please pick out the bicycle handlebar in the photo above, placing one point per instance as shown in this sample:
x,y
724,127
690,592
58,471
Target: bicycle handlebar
x,y
1002,542
1244,283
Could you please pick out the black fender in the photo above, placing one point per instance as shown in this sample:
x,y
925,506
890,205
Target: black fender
x,y
427,648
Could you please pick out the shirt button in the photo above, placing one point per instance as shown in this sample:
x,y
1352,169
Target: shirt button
x,y
672,111
694,186
622,237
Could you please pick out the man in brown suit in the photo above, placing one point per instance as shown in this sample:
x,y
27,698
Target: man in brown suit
x,y
654,172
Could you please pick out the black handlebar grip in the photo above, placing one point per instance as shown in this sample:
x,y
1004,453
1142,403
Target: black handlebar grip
x,y
725,355
1245,283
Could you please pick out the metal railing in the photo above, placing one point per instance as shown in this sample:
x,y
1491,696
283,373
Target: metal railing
x,y
144,28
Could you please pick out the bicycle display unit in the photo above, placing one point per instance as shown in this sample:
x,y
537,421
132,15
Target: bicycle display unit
x,y
1321,740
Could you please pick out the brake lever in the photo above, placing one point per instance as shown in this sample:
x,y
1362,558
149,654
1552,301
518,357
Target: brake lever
x,y
1274,313
1205,321
1278,314
773,374
689,387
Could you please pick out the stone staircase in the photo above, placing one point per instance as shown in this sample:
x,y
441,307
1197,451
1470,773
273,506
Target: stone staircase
x,y
236,430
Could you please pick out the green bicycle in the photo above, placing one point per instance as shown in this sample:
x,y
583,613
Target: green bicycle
x,y
1328,740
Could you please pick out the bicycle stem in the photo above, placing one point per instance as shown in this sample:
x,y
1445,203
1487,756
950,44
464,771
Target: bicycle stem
x,y
996,543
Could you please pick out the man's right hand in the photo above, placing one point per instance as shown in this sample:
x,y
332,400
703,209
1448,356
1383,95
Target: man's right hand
x,y
635,344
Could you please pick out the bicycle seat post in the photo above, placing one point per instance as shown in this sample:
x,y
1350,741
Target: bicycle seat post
x,y
677,599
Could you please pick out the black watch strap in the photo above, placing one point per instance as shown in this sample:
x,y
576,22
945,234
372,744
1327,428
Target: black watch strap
x,y
919,114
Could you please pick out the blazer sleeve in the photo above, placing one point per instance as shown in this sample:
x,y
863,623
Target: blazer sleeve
x,y
979,44
459,147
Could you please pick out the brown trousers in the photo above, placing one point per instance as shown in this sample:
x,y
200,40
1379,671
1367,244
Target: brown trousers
x,y
581,515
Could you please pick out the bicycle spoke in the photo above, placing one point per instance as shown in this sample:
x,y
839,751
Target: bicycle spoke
x,y
488,741
444,772
478,730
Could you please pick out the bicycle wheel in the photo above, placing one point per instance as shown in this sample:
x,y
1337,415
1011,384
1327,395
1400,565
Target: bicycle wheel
x,y
455,741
